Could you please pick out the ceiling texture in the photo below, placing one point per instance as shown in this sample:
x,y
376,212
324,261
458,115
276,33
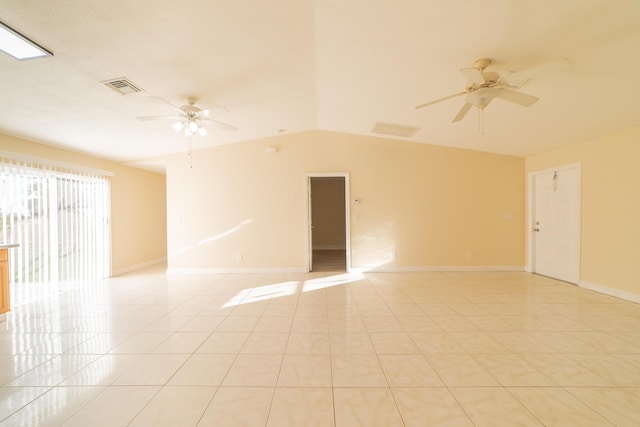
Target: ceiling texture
x,y
284,66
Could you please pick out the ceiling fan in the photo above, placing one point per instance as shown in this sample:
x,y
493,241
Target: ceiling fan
x,y
190,119
484,86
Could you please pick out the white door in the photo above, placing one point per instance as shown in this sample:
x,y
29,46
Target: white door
x,y
556,223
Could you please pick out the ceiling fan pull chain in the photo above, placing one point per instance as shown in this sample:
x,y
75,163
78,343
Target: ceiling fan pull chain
x,y
190,153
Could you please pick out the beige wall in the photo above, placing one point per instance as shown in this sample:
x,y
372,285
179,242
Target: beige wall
x,y
610,223
241,208
138,204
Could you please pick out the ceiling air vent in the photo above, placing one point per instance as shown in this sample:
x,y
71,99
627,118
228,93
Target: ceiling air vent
x,y
393,129
122,86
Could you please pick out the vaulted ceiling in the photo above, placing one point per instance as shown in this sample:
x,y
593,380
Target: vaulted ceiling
x,y
282,66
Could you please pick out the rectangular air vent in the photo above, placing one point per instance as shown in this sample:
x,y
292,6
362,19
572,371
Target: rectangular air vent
x,y
395,130
122,86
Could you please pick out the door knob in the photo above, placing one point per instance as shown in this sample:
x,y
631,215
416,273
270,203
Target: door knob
x,y
537,230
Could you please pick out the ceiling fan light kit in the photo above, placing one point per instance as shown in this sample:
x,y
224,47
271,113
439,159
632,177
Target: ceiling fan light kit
x,y
189,119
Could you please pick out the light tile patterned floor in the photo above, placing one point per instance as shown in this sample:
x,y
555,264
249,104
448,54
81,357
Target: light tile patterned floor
x,y
321,349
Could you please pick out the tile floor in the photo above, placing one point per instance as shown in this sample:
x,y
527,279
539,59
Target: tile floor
x,y
321,349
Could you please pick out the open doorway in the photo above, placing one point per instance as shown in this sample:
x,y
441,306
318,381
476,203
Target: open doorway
x,y
327,220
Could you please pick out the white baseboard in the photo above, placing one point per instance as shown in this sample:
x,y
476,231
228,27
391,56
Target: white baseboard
x,y
135,267
205,271
617,293
454,268
176,272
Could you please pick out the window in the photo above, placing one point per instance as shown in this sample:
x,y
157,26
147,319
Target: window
x,y
60,218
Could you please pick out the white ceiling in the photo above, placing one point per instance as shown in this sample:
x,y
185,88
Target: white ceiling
x,y
297,65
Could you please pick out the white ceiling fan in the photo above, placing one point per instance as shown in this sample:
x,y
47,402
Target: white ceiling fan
x,y
190,119
484,86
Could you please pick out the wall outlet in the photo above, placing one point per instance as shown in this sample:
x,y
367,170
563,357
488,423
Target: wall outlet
x,y
469,254
239,257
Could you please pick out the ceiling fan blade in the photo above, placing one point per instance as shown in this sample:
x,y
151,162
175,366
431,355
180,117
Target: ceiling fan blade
x,y
439,100
157,98
518,78
145,118
517,97
463,112
220,125
214,109
473,74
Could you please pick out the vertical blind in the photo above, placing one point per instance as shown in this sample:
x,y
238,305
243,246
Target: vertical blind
x,y
59,217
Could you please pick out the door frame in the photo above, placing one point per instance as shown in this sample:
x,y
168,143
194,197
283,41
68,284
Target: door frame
x,y
531,197
307,217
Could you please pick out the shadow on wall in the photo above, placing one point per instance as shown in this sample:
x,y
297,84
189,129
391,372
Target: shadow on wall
x,y
225,233
372,250
211,239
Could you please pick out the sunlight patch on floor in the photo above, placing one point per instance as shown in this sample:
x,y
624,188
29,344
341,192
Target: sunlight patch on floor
x,y
263,293
330,281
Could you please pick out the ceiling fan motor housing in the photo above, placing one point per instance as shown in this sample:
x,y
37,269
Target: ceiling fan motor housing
x,y
482,63
490,77
190,109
